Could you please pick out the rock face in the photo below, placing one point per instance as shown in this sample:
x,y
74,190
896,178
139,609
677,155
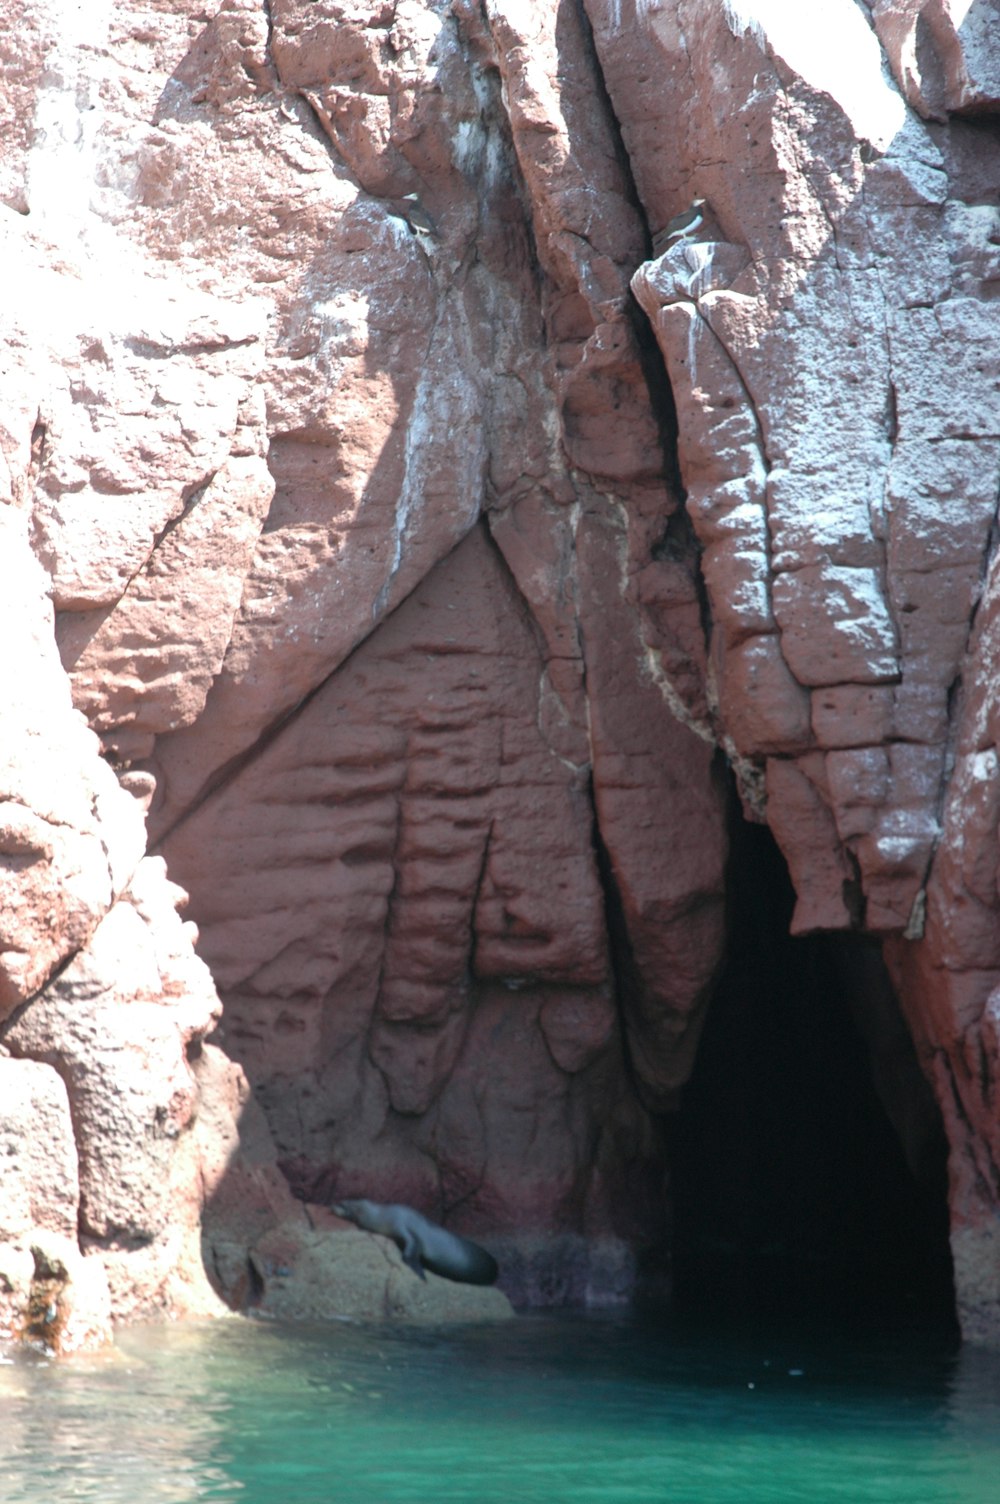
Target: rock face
x,y
420,529
831,338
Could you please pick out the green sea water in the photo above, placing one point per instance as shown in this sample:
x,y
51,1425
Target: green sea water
x,y
546,1409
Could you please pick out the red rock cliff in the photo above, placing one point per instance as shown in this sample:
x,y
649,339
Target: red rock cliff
x,y
422,530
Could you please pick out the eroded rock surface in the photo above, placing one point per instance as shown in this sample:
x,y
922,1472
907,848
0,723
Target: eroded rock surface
x,y
426,529
831,336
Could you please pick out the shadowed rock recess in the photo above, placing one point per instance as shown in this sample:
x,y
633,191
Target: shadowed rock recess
x,y
435,572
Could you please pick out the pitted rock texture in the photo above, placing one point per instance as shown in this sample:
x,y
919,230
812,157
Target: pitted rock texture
x,y
831,335
426,529
846,509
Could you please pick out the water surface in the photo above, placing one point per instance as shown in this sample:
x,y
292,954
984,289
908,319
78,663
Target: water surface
x,y
597,1410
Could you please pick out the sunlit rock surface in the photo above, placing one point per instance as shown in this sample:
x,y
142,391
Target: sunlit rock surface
x,y
426,530
831,336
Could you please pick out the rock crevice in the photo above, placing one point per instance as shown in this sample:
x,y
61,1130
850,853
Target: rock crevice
x,y
423,533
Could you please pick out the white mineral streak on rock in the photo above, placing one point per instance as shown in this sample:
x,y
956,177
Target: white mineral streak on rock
x,y
446,414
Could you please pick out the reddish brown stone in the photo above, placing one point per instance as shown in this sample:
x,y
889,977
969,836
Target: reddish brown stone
x,y
370,574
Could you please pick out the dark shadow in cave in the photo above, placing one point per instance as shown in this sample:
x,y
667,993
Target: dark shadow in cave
x,y
793,1192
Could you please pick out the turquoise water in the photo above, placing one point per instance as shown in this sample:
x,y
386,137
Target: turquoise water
x,y
543,1410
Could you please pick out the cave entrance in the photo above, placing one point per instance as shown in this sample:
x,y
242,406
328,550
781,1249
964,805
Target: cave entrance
x,y
808,1155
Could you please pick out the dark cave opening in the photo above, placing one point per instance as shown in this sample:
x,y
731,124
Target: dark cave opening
x,y
793,1191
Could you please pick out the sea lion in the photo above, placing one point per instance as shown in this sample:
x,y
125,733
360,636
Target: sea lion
x,y
424,1245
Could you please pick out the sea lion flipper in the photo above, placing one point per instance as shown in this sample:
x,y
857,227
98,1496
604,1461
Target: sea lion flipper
x,y
411,1254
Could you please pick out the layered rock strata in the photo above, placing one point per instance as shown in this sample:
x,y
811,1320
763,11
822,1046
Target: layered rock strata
x,y
426,528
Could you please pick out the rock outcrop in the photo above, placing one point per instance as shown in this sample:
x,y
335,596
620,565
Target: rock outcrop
x,y
831,338
403,534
